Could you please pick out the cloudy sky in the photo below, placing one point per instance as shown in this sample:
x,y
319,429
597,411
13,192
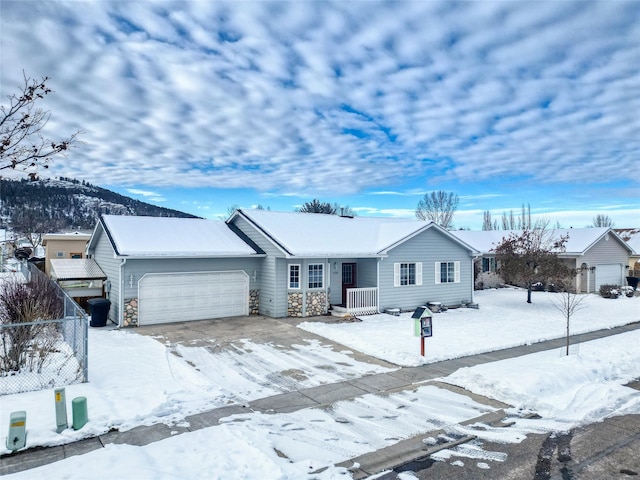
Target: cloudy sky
x,y
200,105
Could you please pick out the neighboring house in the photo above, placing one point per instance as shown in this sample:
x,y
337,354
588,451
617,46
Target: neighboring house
x,y
599,255
81,278
64,246
632,237
276,264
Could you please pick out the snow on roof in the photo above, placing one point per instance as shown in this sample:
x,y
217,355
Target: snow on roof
x,y
65,236
173,237
76,269
322,235
631,236
579,239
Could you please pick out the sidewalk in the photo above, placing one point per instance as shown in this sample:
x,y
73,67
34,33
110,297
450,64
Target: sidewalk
x,y
402,378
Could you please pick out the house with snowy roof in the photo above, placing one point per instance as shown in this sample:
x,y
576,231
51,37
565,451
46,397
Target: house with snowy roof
x,y
278,264
632,237
598,255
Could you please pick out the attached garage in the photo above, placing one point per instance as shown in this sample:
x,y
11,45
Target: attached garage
x,y
608,274
181,297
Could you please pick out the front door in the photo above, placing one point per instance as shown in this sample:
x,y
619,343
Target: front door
x,y
348,279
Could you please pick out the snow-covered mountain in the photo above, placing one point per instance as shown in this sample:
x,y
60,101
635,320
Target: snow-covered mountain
x,y
51,205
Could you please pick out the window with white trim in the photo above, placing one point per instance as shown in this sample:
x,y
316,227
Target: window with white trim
x,y
60,254
447,272
316,275
294,277
409,273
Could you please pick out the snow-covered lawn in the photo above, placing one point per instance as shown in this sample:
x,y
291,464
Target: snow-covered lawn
x,y
136,380
503,320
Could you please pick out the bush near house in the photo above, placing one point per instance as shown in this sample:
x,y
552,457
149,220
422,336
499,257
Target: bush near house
x,y
24,344
610,291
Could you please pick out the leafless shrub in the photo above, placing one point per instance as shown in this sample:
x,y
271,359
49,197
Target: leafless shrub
x,y
24,344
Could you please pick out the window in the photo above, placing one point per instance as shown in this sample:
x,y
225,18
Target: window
x,y
447,272
316,277
294,276
60,254
488,264
75,255
409,273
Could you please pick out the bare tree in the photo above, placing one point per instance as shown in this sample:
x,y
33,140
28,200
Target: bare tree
x,y
488,223
22,145
316,206
530,256
568,303
601,220
513,222
438,207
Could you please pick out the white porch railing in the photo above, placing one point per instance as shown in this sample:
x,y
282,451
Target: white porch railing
x,y
362,301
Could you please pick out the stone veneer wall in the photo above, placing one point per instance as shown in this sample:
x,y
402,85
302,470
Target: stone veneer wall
x,y
316,304
254,302
131,312
294,306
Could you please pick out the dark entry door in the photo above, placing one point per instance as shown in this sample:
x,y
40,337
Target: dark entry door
x,y
348,279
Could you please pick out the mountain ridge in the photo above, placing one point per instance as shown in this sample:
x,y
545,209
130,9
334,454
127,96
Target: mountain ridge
x,y
51,205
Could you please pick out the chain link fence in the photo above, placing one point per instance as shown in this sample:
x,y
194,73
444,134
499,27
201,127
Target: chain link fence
x,y
45,353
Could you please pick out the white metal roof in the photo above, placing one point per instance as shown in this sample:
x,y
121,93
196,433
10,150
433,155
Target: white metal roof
x,y
324,235
173,237
76,269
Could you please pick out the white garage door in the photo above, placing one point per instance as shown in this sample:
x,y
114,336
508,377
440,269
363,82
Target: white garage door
x,y
608,275
180,297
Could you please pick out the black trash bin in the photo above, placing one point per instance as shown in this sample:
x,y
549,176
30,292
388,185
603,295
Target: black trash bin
x,y
633,282
99,309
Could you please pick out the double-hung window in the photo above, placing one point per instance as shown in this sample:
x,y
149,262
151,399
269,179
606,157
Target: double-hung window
x,y
447,272
316,275
409,273
294,277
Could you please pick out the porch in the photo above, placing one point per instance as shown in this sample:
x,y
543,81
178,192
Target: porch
x,y
358,301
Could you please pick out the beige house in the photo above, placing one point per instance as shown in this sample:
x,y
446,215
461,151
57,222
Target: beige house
x,y
64,245
632,237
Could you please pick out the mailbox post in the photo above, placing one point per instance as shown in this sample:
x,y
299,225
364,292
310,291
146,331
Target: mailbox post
x,y
425,317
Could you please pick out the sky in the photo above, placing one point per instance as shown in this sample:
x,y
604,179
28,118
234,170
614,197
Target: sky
x,y
156,386
200,106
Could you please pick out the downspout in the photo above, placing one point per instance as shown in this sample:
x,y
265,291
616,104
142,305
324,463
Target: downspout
x,y
328,288
378,281
121,295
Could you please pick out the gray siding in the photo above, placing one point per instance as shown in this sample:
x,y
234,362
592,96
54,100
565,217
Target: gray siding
x,y
368,273
273,297
428,247
605,251
104,256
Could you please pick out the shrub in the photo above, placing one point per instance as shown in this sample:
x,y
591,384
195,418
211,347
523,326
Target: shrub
x,y
610,291
23,344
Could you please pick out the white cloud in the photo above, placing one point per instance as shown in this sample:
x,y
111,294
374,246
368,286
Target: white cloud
x,y
335,98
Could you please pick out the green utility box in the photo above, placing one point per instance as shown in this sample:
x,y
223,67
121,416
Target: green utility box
x,y
79,412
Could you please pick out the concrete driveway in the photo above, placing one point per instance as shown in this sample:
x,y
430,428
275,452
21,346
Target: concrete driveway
x,y
225,333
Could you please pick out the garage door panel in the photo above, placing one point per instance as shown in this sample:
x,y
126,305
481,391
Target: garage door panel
x,y
608,274
165,298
